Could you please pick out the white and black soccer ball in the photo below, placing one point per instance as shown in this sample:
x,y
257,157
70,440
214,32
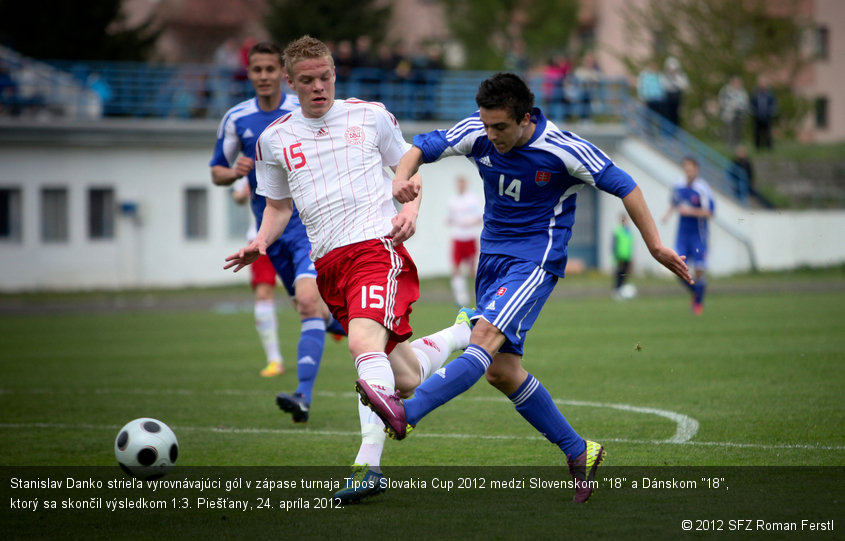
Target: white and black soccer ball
x,y
146,448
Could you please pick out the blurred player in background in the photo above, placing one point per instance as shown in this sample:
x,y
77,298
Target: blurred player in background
x,y
623,251
693,201
238,133
328,159
531,172
263,282
465,217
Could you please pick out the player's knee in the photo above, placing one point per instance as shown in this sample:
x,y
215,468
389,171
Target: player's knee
x,y
308,306
496,377
406,384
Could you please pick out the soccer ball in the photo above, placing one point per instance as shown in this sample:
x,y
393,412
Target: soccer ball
x,y
628,291
146,448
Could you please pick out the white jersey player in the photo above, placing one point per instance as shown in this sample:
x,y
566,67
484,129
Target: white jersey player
x,y
329,158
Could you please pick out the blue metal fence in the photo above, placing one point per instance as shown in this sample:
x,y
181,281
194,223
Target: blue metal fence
x,y
137,89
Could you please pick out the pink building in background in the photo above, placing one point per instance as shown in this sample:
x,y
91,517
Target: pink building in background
x,y
193,29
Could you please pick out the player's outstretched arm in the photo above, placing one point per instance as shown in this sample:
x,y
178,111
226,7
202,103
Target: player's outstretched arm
x,y
406,183
276,216
637,209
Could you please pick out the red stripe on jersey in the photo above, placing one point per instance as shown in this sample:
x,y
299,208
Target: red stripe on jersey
x,y
280,120
356,101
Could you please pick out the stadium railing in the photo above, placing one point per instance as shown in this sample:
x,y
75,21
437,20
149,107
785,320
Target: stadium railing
x,y
675,143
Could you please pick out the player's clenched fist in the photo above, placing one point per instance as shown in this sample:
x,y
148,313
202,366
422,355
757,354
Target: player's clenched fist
x,y
243,166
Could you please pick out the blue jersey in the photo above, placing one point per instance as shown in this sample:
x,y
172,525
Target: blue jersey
x,y
238,132
529,191
696,194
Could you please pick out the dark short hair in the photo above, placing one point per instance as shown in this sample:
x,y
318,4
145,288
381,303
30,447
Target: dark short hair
x,y
505,91
266,47
690,159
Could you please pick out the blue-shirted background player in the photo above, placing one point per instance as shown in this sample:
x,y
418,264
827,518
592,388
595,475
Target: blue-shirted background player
x,y
532,172
693,200
238,132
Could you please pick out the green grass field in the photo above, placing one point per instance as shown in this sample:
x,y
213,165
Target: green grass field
x,y
757,380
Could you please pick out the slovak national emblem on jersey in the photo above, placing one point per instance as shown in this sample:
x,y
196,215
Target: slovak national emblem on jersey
x,y
542,178
354,135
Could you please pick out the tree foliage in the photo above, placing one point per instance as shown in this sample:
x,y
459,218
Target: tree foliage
x,y
716,39
68,30
327,20
488,28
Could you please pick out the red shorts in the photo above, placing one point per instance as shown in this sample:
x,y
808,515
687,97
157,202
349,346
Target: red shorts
x,y
262,272
372,279
463,250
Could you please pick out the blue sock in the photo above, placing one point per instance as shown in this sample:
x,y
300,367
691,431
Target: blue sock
x,y
700,287
309,352
447,383
333,326
534,402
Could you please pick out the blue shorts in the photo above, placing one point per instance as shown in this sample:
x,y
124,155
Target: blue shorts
x,y
291,257
694,248
510,293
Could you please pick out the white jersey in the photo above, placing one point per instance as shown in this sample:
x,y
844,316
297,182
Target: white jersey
x,y
465,213
334,169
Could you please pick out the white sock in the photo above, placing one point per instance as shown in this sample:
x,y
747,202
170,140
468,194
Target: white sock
x,y
435,349
266,325
374,368
459,290
372,437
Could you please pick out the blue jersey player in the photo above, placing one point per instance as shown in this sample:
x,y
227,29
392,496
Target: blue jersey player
x,y
532,172
239,130
693,201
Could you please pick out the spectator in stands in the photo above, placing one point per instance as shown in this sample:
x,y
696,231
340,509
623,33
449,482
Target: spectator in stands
x,y
103,93
246,47
427,78
516,59
650,88
554,73
386,60
344,60
403,78
764,109
366,68
675,83
581,86
227,70
741,172
8,92
733,107
364,57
